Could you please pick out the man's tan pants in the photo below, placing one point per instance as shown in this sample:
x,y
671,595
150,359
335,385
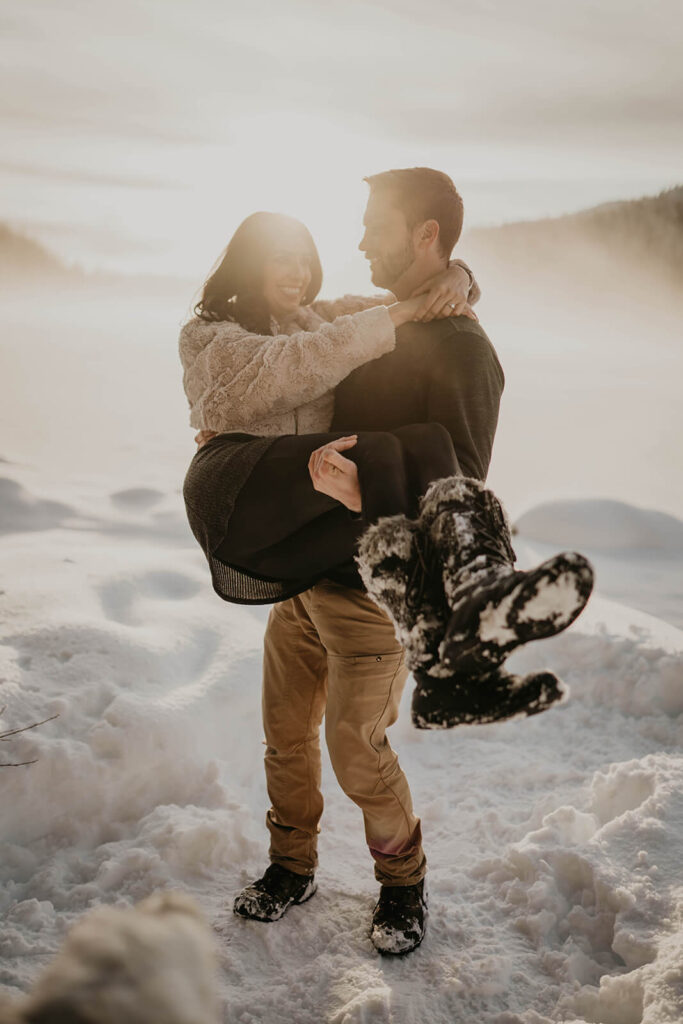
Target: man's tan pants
x,y
331,651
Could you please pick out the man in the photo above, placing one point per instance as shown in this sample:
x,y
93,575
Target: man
x,y
331,650
445,371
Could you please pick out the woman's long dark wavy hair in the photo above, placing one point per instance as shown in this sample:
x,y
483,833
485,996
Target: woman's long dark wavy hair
x,y
234,290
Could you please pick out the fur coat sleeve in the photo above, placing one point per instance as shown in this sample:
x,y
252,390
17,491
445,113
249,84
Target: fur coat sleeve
x,y
330,309
234,379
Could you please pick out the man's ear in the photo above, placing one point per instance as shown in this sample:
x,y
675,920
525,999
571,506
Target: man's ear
x,y
427,234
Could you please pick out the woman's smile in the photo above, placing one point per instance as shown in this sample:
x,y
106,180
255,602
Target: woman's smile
x,y
286,277
293,291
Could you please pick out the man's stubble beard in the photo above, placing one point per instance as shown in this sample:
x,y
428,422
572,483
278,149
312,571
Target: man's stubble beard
x,y
392,267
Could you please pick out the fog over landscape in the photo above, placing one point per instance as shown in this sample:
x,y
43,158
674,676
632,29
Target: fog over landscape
x,y
584,311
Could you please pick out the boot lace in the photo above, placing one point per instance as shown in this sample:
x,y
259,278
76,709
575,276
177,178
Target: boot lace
x,y
493,534
426,569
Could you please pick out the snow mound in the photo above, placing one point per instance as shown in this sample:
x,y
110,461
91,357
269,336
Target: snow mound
x,y
21,511
602,524
136,497
592,889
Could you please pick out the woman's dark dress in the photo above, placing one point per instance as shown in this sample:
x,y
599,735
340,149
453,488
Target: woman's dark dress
x,y
268,535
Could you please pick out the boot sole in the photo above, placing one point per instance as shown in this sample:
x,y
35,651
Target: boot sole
x,y
542,605
526,695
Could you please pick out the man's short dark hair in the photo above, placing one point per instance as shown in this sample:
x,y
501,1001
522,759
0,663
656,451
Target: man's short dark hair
x,y
424,194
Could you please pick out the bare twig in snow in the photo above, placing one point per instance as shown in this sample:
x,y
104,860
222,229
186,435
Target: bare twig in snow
x,y
25,728
14,732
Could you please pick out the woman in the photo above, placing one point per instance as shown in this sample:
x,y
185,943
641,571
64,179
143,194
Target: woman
x,y
261,360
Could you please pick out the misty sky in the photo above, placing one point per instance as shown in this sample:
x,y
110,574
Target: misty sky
x,y
137,135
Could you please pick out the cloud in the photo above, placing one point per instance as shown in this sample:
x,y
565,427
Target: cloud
x,y
79,177
184,74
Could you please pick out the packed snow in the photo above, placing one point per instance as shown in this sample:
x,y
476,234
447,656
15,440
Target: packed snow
x,y
555,885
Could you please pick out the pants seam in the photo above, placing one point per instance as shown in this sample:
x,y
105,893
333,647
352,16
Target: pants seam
x,y
309,767
311,840
379,753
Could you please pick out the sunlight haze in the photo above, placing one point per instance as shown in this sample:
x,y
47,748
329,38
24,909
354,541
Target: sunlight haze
x,y
138,136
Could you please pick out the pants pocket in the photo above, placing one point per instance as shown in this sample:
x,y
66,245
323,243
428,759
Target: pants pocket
x,y
365,688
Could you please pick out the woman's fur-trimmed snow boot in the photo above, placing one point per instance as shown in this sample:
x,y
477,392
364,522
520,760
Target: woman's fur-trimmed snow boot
x,y
401,568
393,561
494,607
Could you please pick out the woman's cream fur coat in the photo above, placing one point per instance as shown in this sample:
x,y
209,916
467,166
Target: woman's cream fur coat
x,y
281,383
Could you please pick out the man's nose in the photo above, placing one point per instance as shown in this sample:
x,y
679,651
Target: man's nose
x,y
362,245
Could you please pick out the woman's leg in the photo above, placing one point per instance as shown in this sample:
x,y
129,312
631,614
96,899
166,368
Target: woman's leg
x,y
424,452
282,528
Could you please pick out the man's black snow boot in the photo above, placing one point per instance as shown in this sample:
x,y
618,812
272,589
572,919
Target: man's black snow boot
x,y
397,565
494,607
495,696
269,897
399,920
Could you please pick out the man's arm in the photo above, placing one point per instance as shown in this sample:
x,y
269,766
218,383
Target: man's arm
x,y
464,387
443,372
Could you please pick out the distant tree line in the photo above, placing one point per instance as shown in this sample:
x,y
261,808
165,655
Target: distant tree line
x,y
646,232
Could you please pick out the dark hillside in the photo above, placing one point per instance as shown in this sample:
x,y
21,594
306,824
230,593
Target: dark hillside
x,y
641,234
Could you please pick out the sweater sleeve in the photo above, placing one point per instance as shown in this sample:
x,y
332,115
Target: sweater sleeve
x,y
465,386
238,378
330,309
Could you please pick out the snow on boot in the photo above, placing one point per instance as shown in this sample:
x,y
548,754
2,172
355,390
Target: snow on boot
x,y
399,920
269,897
495,607
397,566
495,696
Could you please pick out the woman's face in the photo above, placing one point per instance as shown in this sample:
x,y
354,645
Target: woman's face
x,y
286,276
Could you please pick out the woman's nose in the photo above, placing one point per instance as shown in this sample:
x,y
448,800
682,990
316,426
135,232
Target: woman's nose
x,y
298,268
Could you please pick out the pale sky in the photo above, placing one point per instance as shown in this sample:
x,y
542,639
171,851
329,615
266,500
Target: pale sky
x,y
137,135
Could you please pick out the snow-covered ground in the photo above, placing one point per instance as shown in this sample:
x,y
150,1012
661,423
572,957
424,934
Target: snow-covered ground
x,y
556,888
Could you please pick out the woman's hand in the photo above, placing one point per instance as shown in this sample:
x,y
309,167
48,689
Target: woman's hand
x,y
203,436
334,475
445,294
438,297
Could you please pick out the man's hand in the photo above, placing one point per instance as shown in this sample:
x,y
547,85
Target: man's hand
x,y
445,294
203,436
334,475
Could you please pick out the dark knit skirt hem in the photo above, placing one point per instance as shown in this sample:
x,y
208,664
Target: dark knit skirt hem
x,y
255,589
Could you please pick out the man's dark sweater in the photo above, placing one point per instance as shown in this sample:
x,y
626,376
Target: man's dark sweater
x,y
447,372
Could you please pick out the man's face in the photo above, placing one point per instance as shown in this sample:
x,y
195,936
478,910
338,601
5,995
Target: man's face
x,y
387,241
